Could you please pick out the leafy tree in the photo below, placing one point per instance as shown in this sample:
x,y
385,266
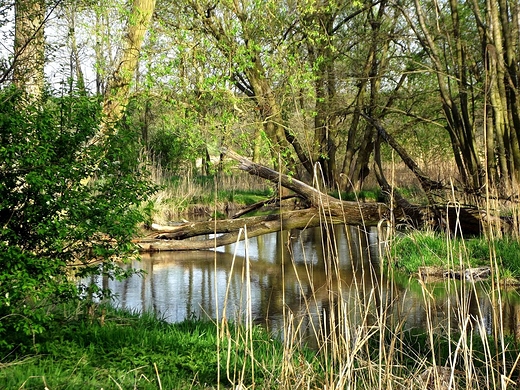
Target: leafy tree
x,y
70,180
471,48
55,230
116,96
304,75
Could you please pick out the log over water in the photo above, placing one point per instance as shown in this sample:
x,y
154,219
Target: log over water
x,y
324,209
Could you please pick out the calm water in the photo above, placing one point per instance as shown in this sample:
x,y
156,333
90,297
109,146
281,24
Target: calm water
x,y
293,275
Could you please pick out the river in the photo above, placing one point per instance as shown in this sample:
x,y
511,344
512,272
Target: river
x,y
306,276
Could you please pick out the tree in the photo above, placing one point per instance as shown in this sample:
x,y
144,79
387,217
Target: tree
x,y
239,34
499,33
29,47
295,72
116,96
377,54
70,182
322,210
471,47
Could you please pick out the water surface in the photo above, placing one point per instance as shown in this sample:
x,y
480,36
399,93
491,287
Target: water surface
x,y
307,276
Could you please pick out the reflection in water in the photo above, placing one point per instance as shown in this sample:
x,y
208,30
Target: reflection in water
x,y
295,275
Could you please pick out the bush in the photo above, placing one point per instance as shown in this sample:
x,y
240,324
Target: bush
x,y
68,209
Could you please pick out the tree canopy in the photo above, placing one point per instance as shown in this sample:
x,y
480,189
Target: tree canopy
x,y
294,82
291,83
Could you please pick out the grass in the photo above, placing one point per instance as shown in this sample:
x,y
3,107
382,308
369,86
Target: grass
x,y
131,351
140,351
239,197
428,248
207,196
374,195
362,337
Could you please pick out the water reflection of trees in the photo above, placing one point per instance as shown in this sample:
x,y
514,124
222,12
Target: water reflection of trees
x,y
310,274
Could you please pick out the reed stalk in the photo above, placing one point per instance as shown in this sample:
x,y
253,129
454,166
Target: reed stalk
x,y
360,332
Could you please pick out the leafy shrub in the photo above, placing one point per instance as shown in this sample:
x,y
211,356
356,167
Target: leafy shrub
x,y
68,209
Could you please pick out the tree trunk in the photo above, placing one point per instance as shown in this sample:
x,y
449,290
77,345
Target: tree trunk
x,y
29,44
455,104
231,230
118,87
324,210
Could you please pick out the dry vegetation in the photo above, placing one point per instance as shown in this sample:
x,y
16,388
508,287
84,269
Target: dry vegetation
x,y
362,339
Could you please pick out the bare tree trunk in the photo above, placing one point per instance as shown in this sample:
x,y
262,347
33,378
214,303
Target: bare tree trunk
x,y
75,63
231,230
29,44
118,88
454,100
324,210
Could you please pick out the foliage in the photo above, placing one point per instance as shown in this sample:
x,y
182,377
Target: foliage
x,y
417,249
505,250
170,132
240,197
68,209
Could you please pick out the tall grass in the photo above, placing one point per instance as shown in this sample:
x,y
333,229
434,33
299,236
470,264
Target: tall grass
x,y
360,331
203,196
348,334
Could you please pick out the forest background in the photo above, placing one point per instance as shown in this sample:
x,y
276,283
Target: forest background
x,y
290,81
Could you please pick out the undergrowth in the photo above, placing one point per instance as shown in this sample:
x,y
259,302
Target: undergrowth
x,y
128,350
123,350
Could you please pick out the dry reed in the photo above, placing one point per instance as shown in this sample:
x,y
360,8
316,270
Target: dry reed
x,y
362,341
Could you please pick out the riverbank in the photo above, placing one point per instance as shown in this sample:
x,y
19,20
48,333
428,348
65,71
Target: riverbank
x,y
370,345
415,251
113,349
122,350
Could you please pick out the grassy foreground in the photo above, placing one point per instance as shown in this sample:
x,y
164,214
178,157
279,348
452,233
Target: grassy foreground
x,y
121,350
363,342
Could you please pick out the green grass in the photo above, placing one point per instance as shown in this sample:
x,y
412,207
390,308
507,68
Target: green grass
x,y
132,351
419,248
226,192
244,197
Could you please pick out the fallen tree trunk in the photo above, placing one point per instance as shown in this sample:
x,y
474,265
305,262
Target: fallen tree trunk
x,y
228,231
324,210
315,197
259,205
